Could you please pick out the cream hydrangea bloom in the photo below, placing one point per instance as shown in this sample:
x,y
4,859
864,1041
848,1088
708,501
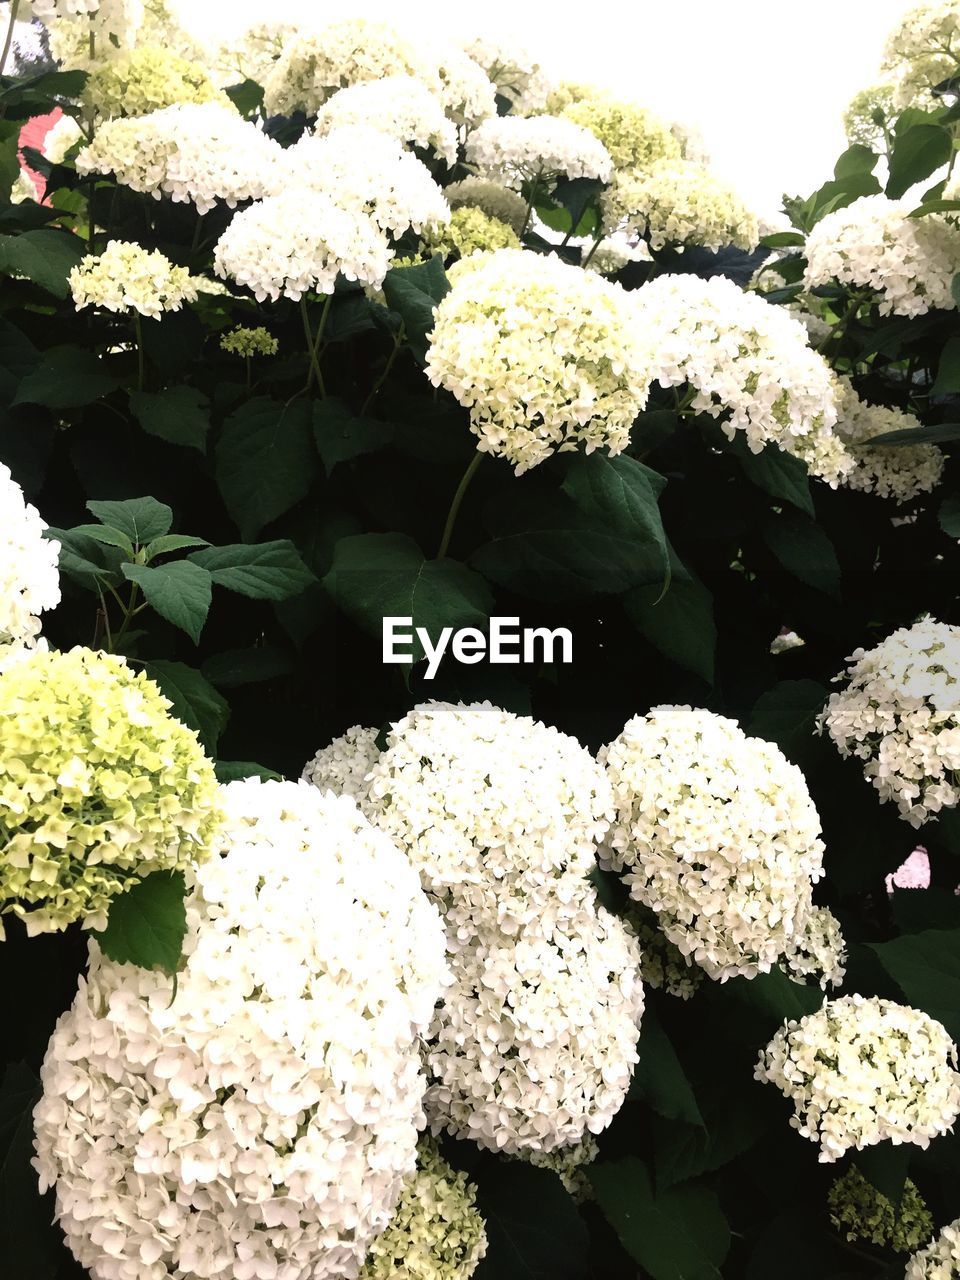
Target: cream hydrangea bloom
x,y
635,138
818,951
99,787
545,356
922,51
252,54
193,152
84,33
263,1122
861,1071
679,202
749,364
126,277
874,244
868,120
344,766
612,254
569,1164
400,106
518,149
147,79
900,715
716,833
470,231
29,567
901,472
512,69
288,245
940,1260
860,1212
492,198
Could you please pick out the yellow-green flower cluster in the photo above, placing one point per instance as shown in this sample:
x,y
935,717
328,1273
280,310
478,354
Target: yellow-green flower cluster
x,y
869,118
679,202
436,1232
145,80
126,277
569,1164
922,51
243,341
99,787
470,231
635,137
663,966
860,1212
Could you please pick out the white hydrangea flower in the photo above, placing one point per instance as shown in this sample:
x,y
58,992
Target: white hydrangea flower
x,y
491,198
85,33
569,1164
366,171
679,202
869,118
262,1123
344,766
940,1260
717,834
466,92
922,51
900,715
663,966
252,54
65,134
29,568
514,71
635,137
518,149
299,241
819,951
400,106
747,360
613,253
544,355
875,244
126,277
901,472
192,152
862,1071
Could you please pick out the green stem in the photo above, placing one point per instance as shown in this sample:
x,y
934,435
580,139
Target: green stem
x,y
534,190
14,6
595,247
129,613
375,389
313,342
249,373
455,504
141,367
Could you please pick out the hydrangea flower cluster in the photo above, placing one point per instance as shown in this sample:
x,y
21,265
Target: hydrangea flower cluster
x,y
940,1260
860,1212
513,70
263,1122
243,341
544,355
923,51
679,202
252,54
126,277
900,714
635,138
613,253
717,835
99,787
290,244
519,149
192,152
874,244
344,766
400,106
148,79
818,951
85,32
901,472
30,582
470,231
491,198
868,120
663,965
861,1071
569,1164
436,1232
749,363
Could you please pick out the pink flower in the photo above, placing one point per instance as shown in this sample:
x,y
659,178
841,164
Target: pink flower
x,y
913,874
33,134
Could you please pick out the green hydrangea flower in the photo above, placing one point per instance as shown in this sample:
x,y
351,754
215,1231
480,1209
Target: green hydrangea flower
x,y
860,1212
145,80
436,1232
635,137
469,231
243,341
99,787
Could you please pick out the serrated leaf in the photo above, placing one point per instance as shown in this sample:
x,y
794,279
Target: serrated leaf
x,y
266,461
66,378
194,701
341,435
679,623
239,770
141,519
172,542
260,571
804,550
413,293
534,1231
916,153
44,256
179,415
239,667
109,537
787,715
180,591
926,967
146,925
659,1078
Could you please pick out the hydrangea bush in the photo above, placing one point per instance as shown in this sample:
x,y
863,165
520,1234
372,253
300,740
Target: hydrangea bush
x,y
328,955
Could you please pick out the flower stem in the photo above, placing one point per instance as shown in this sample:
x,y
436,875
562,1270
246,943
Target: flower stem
x,y
8,41
313,342
375,389
455,504
141,366
534,192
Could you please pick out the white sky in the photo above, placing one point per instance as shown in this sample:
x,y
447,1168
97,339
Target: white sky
x,y
765,81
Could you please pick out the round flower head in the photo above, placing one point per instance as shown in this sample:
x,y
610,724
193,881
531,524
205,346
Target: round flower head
x,y
99,787
861,1071
367,172
29,572
819,951
901,472
679,202
900,715
263,1121
868,120
491,198
940,1260
518,149
344,766
127,278
470,231
436,1232
148,79
249,342
513,70
545,356
535,1042
290,244
400,106
84,33
635,137
749,364
192,152
923,51
717,834
467,94
860,1212
252,54
875,244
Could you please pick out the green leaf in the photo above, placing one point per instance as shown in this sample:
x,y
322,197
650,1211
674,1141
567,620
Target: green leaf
x,y
938,433
341,435
266,461
180,592
45,256
534,1231
378,575
926,967
247,96
179,415
856,159
194,701
141,519
680,624
171,542
659,1078
775,995
804,550
261,571
66,378
783,240
676,1234
27,1244
413,293
239,667
885,1167
238,770
83,560
109,537
787,715
916,153
146,925
777,473
950,515
948,371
